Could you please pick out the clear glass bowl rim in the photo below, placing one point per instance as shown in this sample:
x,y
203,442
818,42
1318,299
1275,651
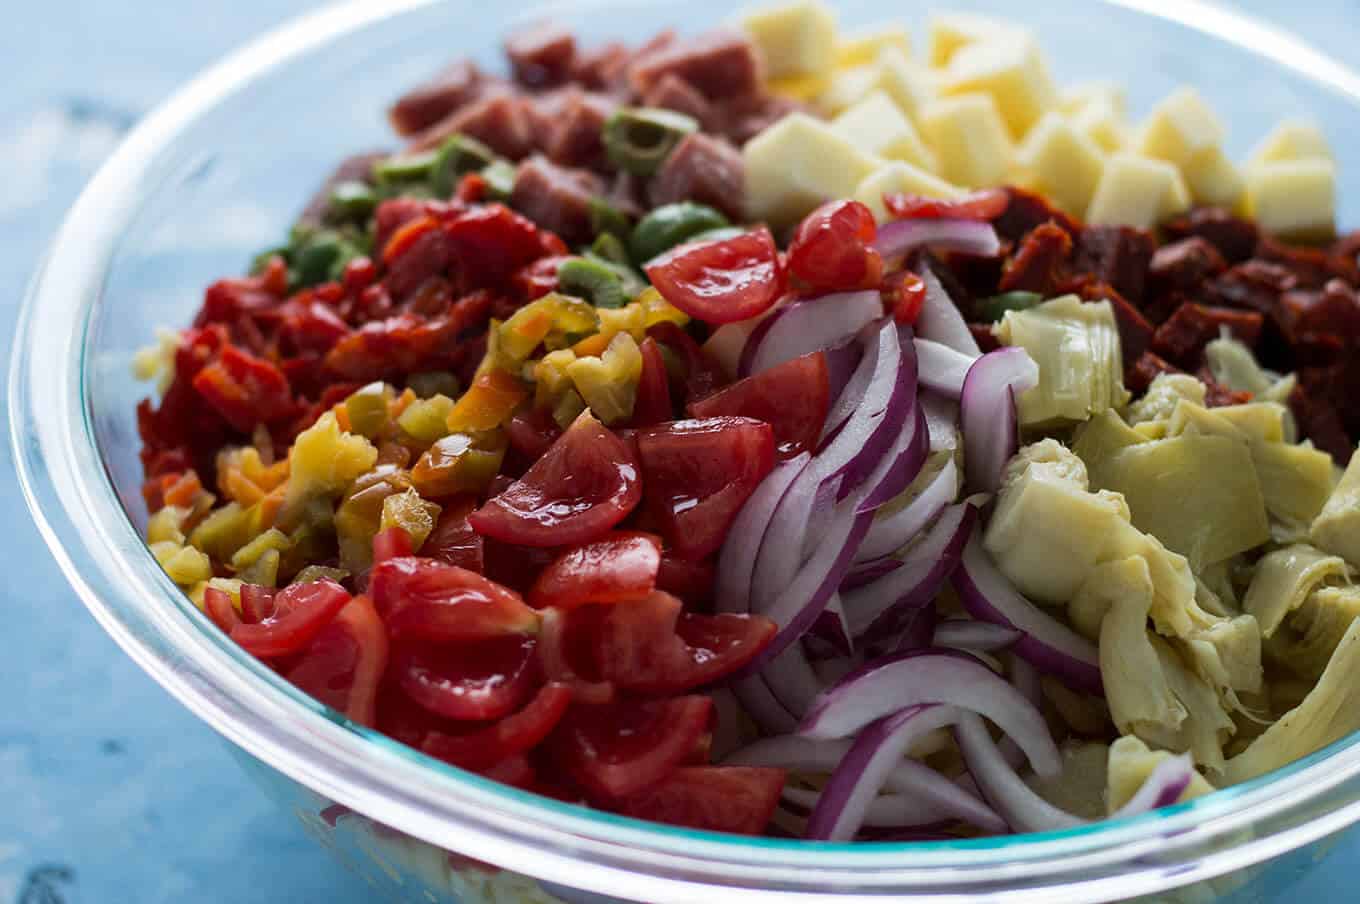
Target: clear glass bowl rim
x,y
79,515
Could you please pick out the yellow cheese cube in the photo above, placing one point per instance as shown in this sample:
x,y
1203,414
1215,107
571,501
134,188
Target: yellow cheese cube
x,y
969,139
1294,199
1136,191
951,31
1103,124
796,38
1179,127
1012,70
909,85
798,163
1292,139
863,45
900,176
805,88
848,87
876,126
1076,98
1062,162
1213,179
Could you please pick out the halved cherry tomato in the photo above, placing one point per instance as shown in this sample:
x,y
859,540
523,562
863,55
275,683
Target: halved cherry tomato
x,y
300,612
427,599
392,543
516,771
612,569
653,404
697,475
904,295
217,605
563,649
987,204
702,373
532,431
621,748
256,603
689,580
581,487
832,251
721,281
453,540
736,799
343,664
513,735
793,398
650,646
485,680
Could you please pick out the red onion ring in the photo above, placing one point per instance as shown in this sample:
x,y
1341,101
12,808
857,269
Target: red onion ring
x,y
990,433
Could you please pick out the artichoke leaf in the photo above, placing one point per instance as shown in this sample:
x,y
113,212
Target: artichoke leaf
x,y
1207,725
1305,642
1336,529
1130,763
1284,579
1101,437
1080,787
1160,401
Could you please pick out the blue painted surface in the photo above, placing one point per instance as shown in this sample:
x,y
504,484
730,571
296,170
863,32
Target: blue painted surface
x,y
109,790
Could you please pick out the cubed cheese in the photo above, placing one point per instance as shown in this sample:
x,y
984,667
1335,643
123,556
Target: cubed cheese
x,y
806,88
863,45
794,38
1062,162
909,85
951,31
1213,179
1292,139
876,126
1104,124
849,86
1294,199
798,163
900,176
969,139
1136,191
1012,70
1179,127
1076,98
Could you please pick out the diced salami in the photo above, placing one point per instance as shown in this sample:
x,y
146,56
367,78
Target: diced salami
x,y
555,197
704,169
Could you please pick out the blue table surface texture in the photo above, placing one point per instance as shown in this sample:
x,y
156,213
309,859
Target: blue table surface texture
x,y
110,791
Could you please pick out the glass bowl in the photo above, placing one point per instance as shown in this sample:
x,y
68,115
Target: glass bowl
x,y
221,169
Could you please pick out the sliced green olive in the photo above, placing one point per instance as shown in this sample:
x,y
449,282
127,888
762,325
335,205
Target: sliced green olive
x,y
594,280
404,168
457,156
639,139
500,179
353,200
669,225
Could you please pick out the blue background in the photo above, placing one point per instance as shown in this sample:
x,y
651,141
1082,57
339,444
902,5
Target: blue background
x,y
109,790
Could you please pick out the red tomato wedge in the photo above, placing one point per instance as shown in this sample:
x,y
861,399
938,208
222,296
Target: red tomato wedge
x,y
721,281
702,373
987,204
427,599
653,403
300,612
344,664
532,432
256,603
793,398
832,251
699,473
453,541
736,799
613,569
691,581
518,772
485,680
650,646
217,604
586,483
904,295
392,543
616,749
563,650
514,735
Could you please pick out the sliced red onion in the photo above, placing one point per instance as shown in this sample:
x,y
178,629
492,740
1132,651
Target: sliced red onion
x,y
942,420
867,572
1002,786
927,791
932,675
940,319
919,630
737,560
808,326
792,680
901,465
831,630
728,722
1026,679
976,636
894,528
942,368
877,609
782,546
886,811
862,772
842,361
760,704
845,402
1049,644
1162,788
901,237
832,670
990,435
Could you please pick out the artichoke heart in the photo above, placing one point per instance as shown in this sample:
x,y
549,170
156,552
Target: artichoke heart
x,y
1284,579
1306,640
1101,437
1076,345
1160,401
1337,527
1197,494
1130,763
1080,787
1207,724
